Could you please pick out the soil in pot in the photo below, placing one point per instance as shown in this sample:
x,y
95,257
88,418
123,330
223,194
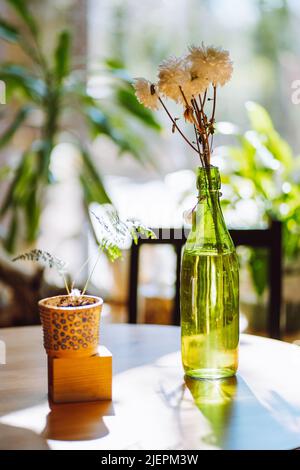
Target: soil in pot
x,y
69,301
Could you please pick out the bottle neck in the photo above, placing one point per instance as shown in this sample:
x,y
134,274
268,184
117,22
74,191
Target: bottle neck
x,y
204,197
209,185
209,230
208,180
208,211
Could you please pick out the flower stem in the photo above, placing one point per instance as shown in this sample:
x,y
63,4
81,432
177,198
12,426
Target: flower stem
x,y
66,284
175,124
91,273
79,271
184,97
202,122
199,150
204,97
212,119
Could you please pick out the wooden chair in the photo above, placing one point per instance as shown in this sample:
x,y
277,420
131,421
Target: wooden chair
x,y
270,238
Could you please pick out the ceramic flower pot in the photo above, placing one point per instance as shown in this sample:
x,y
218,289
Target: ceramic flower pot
x,y
70,331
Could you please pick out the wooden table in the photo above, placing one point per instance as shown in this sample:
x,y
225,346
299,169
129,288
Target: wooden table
x,y
153,407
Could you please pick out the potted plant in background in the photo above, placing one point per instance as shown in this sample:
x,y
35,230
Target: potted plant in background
x,y
71,321
209,271
261,170
48,91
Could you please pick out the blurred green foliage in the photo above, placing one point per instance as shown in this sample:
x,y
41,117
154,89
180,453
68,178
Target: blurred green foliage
x,y
263,162
51,87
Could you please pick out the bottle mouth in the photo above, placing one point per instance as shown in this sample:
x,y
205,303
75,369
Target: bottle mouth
x,y
208,179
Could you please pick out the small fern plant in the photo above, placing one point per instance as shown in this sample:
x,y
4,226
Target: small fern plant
x,y
113,234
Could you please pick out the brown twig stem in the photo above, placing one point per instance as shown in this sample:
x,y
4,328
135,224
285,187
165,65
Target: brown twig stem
x,y
198,146
204,97
212,119
204,133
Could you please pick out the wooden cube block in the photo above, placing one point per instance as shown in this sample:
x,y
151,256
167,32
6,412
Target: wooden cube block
x,y
80,379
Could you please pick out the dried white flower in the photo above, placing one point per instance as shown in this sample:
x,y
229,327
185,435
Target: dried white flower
x,y
174,74
146,93
198,84
210,63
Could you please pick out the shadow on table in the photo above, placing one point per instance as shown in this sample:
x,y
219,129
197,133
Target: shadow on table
x,y
77,421
215,400
15,438
239,419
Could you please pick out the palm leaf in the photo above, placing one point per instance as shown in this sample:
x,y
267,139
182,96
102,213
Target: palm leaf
x,y
19,76
33,211
8,32
20,7
98,121
10,239
62,56
117,129
20,186
128,101
14,126
43,150
92,184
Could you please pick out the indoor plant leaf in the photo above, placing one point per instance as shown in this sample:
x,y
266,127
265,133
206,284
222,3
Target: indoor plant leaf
x,y
259,118
10,239
32,211
93,187
44,257
8,32
128,100
62,56
19,76
14,126
45,88
20,7
98,120
18,189
258,264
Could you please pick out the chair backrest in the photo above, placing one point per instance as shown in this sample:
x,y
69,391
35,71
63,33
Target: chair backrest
x,y
270,238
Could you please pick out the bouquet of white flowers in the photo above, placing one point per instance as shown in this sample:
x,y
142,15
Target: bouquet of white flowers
x,y
188,80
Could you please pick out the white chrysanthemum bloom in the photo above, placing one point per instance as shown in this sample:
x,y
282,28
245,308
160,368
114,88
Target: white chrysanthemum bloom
x,y
146,93
210,63
174,74
198,84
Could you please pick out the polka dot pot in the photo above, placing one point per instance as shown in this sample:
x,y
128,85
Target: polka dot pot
x,y
70,331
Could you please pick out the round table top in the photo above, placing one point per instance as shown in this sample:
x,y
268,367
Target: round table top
x,y
153,406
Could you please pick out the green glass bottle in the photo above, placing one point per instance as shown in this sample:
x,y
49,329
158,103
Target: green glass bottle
x,y
209,290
